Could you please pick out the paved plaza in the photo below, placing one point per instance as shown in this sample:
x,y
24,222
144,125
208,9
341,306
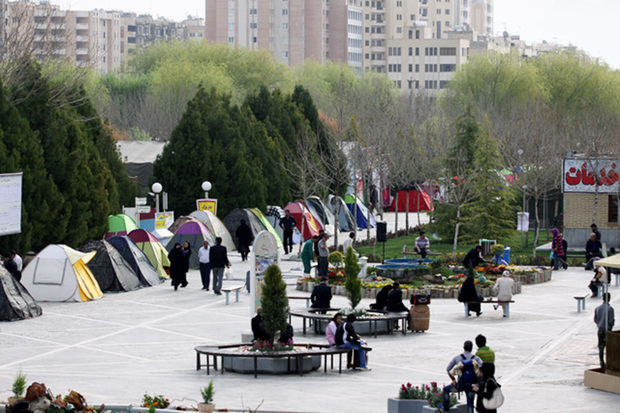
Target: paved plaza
x,y
116,349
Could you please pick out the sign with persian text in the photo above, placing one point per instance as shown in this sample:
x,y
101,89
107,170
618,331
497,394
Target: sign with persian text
x,y
590,176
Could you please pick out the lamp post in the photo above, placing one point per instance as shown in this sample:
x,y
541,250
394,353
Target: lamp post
x,y
523,223
206,186
156,188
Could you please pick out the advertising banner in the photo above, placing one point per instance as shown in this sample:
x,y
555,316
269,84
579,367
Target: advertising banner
x,y
10,203
206,204
590,176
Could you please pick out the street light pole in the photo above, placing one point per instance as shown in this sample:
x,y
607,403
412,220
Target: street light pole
x,y
156,188
528,232
206,186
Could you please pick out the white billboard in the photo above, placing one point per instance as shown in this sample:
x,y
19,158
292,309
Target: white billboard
x,y
590,176
10,203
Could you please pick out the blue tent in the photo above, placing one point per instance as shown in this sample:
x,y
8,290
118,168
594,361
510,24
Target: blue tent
x,y
357,208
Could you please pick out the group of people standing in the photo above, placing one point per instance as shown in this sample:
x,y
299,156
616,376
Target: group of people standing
x,y
211,258
316,248
13,264
473,374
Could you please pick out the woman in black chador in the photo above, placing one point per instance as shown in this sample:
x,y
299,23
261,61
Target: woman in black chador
x,y
468,294
177,265
244,239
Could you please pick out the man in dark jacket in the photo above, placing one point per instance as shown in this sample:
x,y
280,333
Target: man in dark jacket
x,y
288,223
218,258
593,250
473,257
395,302
258,327
321,295
346,337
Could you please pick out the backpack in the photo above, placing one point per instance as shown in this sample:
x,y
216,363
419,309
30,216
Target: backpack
x,y
468,376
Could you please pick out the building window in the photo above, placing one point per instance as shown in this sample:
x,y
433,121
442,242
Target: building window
x,y
411,51
447,68
447,51
417,51
613,208
417,34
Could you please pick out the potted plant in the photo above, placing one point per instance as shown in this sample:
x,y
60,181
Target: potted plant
x,y
207,393
19,387
335,258
435,398
411,399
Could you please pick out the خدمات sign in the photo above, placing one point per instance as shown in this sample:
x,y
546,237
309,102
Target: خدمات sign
x,y
590,176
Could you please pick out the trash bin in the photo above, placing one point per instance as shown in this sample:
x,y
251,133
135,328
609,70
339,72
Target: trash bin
x,y
506,257
486,245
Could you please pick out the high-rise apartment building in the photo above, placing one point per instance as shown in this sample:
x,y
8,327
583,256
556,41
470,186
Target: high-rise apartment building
x,y
291,30
44,31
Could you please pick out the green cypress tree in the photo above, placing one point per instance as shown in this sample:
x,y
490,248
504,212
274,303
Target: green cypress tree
x,y
23,153
352,284
274,302
491,214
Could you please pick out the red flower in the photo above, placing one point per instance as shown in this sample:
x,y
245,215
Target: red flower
x,y
408,384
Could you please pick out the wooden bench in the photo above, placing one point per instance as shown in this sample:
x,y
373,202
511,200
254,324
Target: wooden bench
x,y
581,302
228,290
489,302
301,298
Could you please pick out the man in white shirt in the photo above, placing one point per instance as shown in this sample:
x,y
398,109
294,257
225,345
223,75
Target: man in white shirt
x,y
422,244
348,243
17,259
323,255
205,266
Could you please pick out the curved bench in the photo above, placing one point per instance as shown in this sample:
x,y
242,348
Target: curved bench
x,y
229,350
316,318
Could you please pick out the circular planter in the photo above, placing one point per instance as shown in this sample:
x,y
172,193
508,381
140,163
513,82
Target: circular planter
x,y
267,365
206,407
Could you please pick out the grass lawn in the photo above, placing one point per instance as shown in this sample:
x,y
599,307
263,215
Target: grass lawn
x,y
394,246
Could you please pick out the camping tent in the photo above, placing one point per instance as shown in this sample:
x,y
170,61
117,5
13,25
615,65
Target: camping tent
x,y
311,225
120,224
152,248
267,224
345,219
233,220
110,269
59,273
414,196
15,301
357,208
180,221
216,226
196,233
137,260
320,210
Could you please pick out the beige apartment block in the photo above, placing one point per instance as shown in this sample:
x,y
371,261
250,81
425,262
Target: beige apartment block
x,y
291,30
84,38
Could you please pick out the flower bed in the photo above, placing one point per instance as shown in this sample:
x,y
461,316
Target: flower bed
x,y
450,286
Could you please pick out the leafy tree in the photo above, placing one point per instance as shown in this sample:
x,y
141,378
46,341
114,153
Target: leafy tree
x,y
352,284
491,214
274,302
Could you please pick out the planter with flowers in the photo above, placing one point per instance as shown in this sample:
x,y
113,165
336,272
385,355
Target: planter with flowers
x,y
415,399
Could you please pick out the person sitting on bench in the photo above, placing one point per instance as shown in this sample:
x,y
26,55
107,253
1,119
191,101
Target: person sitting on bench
x,y
600,278
593,251
258,328
422,244
321,295
346,337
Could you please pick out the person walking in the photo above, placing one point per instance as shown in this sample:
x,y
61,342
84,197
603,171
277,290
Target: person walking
x,y
218,258
558,250
288,223
484,352
244,239
604,319
503,288
177,265
205,266
323,255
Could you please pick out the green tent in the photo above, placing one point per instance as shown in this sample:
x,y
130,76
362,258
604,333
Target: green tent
x,y
120,224
267,224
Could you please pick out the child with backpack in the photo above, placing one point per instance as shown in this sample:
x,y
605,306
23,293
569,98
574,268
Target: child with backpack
x,y
464,372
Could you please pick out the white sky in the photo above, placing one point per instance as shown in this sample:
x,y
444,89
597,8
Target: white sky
x,y
587,24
